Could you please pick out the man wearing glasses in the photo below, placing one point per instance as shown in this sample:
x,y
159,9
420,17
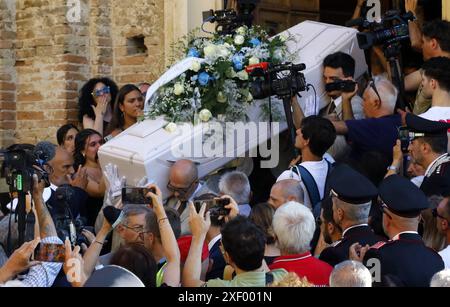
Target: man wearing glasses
x,y
404,259
428,147
184,186
375,133
442,214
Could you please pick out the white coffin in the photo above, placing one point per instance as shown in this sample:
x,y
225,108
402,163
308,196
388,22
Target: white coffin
x,y
147,149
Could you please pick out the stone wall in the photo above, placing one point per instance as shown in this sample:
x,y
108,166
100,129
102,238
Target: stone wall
x,y
47,55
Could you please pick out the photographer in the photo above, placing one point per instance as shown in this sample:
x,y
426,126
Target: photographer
x,y
344,104
40,274
243,245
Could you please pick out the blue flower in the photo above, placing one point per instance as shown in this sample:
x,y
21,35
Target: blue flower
x,y
193,53
255,42
203,79
238,62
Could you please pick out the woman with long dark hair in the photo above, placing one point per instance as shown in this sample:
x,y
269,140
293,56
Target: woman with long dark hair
x,y
66,137
96,102
127,109
87,144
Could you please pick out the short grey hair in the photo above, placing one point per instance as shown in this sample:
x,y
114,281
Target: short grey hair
x,y
388,92
441,279
358,214
350,274
236,185
294,227
132,210
292,187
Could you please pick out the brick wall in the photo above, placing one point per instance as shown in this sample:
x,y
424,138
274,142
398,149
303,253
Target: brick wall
x,y
7,73
45,58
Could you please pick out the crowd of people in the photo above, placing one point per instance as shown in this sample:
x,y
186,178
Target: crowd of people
x,y
366,203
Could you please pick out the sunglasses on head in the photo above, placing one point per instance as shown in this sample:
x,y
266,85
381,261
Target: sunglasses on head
x,y
372,86
102,91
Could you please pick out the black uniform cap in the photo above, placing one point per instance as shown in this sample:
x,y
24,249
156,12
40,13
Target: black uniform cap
x,y
426,128
402,197
350,186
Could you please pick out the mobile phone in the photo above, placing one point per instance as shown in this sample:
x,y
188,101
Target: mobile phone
x,y
48,252
403,135
216,206
136,196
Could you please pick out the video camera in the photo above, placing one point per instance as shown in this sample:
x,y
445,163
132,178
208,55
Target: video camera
x,y
229,20
68,226
20,163
346,86
392,28
269,80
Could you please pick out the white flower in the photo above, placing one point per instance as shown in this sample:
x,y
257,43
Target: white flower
x,y
241,31
221,97
278,54
231,73
171,127
204,115
253,60
210,50
178,89
239,39
196,66
249,97
242,75
283,37
222,51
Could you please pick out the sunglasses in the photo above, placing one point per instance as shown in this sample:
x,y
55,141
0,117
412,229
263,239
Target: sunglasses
x,y
383,208
372,86
182,191
436,214
102,91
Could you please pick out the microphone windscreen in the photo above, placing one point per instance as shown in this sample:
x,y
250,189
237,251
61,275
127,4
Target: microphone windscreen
x,y
44,151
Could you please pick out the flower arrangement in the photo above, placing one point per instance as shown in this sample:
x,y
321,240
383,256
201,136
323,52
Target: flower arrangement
x,y
218,84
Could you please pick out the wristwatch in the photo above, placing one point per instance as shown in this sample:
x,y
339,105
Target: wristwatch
x,y
392,168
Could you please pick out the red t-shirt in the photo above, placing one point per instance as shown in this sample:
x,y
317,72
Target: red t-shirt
x,y
305,265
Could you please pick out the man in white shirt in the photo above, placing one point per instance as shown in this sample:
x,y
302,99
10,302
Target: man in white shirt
x,y
442,214
337,67
314,138
436,86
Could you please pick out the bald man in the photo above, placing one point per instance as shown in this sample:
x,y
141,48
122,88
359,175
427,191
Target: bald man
x,y
184,186
284,191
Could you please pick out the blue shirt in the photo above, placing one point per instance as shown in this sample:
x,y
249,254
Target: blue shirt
x,y
373,134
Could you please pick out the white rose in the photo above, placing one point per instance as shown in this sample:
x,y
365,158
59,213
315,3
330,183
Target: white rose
x,y
239,39
222,51
242,75
253,60
241,31
283,37
249,97
278,54
171,127
231,73
221,97
178,89
196,66
204,115
209,50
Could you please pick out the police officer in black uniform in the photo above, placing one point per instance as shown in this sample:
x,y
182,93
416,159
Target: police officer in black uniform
x,y
428,148
404,260
351,194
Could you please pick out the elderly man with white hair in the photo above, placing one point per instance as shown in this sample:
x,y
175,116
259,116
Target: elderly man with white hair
x,y
378,131
294,227
441,279
350,274
237,185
